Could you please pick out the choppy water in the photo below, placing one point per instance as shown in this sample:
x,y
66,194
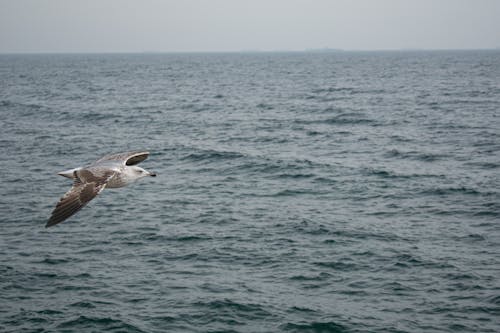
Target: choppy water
x,y
345,192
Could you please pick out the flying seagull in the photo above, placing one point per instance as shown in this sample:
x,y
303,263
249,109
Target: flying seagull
x,y
111,171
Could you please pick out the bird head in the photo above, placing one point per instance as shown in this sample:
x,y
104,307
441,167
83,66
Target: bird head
x,y
141,173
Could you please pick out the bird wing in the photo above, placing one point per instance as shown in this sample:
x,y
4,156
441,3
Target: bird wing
x,y
128,158
85,188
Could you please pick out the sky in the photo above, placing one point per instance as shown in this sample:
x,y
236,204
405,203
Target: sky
x,y
35,26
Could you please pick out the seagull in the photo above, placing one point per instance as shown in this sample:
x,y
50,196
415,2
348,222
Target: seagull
x,y
111,171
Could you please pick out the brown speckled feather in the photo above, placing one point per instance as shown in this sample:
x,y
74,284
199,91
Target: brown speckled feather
x,y
84,189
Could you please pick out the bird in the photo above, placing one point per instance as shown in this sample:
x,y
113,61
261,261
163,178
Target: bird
x,y
110,171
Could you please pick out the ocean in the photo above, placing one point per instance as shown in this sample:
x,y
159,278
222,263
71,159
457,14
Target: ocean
x,y
296,192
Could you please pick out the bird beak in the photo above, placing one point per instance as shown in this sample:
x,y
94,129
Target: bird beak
x,y
152,174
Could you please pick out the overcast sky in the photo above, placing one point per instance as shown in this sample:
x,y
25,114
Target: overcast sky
x,y
235,25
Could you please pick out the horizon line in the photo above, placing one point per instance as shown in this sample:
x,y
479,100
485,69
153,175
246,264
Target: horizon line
x,y
309,50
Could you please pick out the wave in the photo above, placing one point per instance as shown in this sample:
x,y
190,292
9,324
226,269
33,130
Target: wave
x,y
414,155
155,237
392,174
55,261
443,191
83,304
484,165
101,324
5,103
315,327
349,91
338,265
295,175
95,116
211,154
297,192
333,89
319,277
233,309
341,119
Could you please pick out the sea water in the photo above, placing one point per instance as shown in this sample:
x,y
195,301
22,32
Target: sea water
x,y
296,192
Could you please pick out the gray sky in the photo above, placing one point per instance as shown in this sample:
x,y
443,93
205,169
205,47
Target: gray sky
x,y
235,25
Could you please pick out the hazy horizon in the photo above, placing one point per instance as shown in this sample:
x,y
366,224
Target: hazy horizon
x,y
66,26
248,51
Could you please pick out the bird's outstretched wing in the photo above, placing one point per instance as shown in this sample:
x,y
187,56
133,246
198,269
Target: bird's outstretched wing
x,y
128,158
84,189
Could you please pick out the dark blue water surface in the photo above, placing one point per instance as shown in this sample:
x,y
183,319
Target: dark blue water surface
x,y
336,192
